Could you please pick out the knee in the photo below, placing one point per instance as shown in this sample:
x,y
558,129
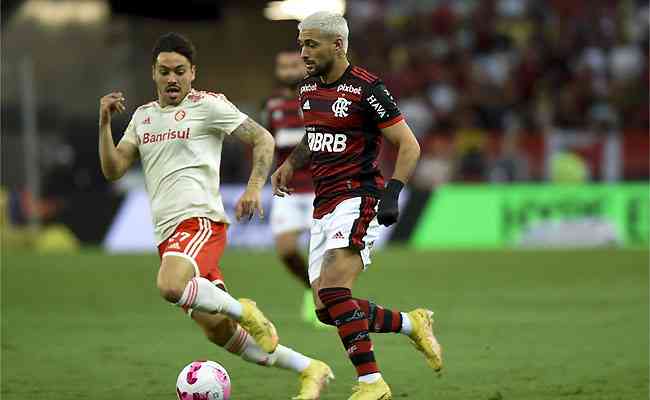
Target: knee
x,y
329,280
170,291
286,245
173,276
340,268
286,250
289,257
325,282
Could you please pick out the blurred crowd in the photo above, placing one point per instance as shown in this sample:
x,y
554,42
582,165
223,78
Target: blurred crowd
x,y
495,90
509,90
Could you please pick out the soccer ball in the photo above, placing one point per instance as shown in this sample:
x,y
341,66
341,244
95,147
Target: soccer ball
x,y
203,380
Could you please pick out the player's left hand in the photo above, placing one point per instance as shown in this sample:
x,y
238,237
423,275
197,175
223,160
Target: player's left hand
x,y
248,204
388,209
280,180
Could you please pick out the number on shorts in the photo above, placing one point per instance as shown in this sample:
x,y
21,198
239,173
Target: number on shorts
x,y
184,236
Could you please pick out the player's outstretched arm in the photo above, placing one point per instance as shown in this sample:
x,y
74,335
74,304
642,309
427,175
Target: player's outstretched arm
x,y
407,158
115,161
253,134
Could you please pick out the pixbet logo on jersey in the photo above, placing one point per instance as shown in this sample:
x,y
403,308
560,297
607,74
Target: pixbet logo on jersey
x,y
348,88
307,88
333,143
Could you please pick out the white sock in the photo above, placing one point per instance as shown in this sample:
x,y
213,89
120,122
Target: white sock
x,y
370,378
291,359
201,294
243,345
407,326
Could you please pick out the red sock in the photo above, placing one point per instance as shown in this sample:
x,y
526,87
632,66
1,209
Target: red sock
x,y
352,325
380,319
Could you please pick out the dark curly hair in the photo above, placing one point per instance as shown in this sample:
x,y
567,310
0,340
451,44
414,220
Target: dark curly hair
x,y
174,42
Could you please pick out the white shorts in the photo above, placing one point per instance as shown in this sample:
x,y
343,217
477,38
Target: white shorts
x,y
292,213
351,224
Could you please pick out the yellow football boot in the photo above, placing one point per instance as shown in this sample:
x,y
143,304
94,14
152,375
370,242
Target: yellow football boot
x,y
258,326
423,339
313,380
377,390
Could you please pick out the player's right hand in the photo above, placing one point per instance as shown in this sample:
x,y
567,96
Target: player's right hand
x,y
109,104
248,204
280,180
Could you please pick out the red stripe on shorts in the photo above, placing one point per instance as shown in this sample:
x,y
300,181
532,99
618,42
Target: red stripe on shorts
x,y
360,225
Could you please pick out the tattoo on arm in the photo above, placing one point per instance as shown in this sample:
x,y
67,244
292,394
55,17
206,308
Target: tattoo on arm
x,y
300,155
260,139
261,166
248,131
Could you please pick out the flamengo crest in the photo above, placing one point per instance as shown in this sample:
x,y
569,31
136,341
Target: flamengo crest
x,y
340,107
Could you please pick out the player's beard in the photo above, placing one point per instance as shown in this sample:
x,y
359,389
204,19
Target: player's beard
x,y
177,97
322,70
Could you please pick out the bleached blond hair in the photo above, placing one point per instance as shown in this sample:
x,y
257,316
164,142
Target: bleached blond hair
x,y
328,23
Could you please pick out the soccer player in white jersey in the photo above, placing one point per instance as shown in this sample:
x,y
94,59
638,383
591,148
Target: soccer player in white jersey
x,y
178,139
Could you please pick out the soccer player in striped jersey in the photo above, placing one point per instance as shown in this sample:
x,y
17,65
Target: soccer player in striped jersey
x,y
347,112
178,139
291,216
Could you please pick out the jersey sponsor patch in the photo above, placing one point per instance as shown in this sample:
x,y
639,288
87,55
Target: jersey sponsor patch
x,y
169,135
348,88
327,142
379,109
308,88
306,106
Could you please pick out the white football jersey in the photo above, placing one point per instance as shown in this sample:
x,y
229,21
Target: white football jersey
x,y
180,151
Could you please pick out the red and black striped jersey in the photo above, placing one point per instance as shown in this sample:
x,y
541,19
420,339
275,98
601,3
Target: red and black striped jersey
x,y
343,121
283,119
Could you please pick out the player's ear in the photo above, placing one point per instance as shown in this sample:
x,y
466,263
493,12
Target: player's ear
x,y
153,72
193,70
338,46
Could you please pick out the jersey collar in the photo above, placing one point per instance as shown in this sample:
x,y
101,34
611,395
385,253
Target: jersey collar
x,y
170,108
336,82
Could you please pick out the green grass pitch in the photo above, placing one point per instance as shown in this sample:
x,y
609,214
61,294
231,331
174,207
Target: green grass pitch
x,y
514,325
